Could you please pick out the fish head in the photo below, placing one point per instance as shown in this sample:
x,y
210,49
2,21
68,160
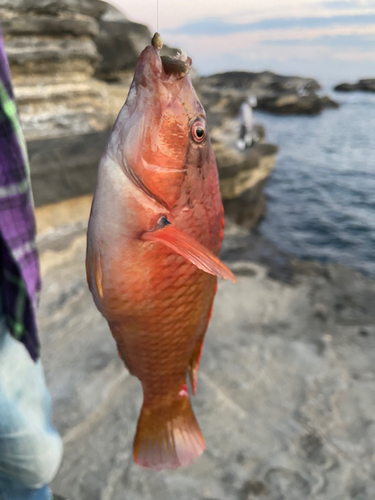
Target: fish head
x,y
161,132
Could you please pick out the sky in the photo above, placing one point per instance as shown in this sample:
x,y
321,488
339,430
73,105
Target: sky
x,y
331,40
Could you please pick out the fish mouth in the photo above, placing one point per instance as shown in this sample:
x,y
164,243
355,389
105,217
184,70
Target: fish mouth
x,y
152,67
177,66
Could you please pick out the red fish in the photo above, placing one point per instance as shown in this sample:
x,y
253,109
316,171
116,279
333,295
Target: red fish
x,y
154,237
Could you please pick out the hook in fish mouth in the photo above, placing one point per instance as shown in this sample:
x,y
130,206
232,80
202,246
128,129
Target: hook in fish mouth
x,y
178,65
156,41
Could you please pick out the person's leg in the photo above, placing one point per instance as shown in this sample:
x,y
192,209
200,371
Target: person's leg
x,y
12,491
30,447
242,132
248,139
241,140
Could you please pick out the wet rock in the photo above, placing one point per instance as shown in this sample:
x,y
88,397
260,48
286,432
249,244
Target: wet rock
x,y
243,80
296,104
242,184
365,85
275,93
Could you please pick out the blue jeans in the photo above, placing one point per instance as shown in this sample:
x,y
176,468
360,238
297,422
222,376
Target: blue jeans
x,y
30,447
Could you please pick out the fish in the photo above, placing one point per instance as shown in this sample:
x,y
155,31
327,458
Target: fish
x,y
153,244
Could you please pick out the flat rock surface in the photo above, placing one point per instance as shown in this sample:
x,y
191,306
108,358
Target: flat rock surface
x,y
285,398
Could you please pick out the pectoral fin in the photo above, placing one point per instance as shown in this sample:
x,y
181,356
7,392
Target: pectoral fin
x,y
191,249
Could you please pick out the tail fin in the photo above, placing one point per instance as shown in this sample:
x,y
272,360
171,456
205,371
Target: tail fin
x,y
168,436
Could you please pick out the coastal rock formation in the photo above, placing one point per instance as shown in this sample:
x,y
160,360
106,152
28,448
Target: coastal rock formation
x,y
242,174
66,113
365,85
119,43
50,37
242,184
284,400
275,93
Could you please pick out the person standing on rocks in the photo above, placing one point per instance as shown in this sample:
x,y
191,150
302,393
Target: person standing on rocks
x,y
246,119
30,447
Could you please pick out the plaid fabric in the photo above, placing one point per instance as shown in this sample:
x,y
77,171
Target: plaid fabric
x,y
19,265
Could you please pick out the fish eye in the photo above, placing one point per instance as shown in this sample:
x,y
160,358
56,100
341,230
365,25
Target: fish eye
x,y
198,131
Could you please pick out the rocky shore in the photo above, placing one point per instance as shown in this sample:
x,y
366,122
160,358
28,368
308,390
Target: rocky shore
x,y
275,93
285,388
285,391
365,85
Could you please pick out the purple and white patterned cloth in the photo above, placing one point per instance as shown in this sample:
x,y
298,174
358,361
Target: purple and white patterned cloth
x,y
19,265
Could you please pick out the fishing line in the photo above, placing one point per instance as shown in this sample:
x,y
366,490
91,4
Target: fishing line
x,y
157,16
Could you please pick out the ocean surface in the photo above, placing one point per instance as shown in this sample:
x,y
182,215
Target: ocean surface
x,y
321,194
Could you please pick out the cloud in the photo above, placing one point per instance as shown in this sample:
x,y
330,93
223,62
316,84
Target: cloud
x,y
322,38
348,4
363,42
247,51
215,26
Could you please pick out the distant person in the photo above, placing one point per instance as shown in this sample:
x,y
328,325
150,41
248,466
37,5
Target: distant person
x,y
302,91
246,119
30,447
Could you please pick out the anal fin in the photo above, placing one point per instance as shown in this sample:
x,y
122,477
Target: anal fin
x,y
194,363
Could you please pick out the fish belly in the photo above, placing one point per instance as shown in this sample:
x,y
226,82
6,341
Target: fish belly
x,y
158,320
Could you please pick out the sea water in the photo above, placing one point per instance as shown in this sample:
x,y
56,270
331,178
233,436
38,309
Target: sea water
x,y
321,194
